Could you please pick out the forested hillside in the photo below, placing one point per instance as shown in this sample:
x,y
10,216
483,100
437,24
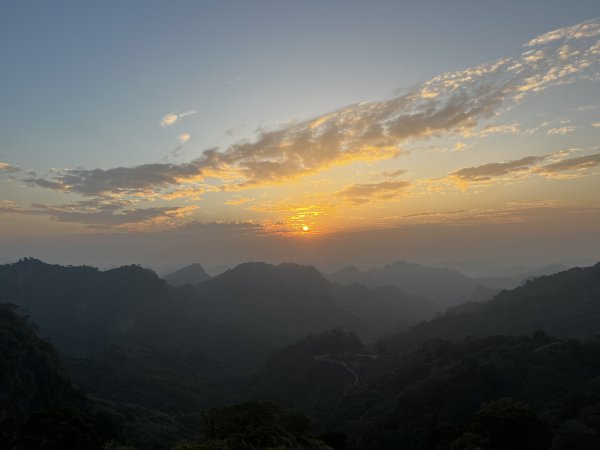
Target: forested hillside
x,y
264,356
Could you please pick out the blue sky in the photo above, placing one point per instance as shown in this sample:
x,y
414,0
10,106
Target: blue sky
x,y
85,85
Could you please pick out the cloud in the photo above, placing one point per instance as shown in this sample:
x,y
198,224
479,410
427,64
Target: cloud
x,y
7,168
511,213
14,172
393,173
456,103
512,128
96,213
364,193
561,130
459,147
237,201
184,138
120,180
560,167
231,228
171,119
571,166
488,171
582,30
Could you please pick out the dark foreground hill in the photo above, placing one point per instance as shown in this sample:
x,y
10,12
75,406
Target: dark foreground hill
x,y
40,408
38,403
31,375
498,392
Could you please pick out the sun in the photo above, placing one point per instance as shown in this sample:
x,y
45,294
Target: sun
x,y
305,228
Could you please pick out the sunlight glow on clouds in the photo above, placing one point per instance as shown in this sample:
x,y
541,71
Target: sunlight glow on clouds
x,y
464,105
171,119
511,170
184,138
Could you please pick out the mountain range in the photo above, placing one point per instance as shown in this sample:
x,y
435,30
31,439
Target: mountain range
x,y
133,360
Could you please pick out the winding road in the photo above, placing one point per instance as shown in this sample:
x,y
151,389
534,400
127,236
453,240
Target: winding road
x,y
326,358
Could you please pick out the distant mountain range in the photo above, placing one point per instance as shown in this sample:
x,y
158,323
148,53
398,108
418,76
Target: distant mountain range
x,y
515,280
290,301
445,287
566,305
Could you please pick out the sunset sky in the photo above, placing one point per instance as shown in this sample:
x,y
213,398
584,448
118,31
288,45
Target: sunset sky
x,y
323,132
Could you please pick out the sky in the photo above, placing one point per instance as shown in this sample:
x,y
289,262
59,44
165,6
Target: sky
x,y
322,132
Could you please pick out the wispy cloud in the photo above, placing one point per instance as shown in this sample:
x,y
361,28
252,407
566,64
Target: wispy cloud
x,y
367,192
96,213
582,30
488,171
561,130
551,166
571,167
510,213
511,128
171,119
392,173
237,201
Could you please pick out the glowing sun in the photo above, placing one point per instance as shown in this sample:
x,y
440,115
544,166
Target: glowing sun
x,y
305,228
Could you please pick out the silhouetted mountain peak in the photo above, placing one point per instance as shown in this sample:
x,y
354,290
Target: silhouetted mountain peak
x,y
192,274
267,276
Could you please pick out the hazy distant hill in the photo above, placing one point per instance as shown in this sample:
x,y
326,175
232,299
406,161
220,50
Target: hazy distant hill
x,y
446,287
290,300
192,274
286,301
566,304
386,307
513,281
